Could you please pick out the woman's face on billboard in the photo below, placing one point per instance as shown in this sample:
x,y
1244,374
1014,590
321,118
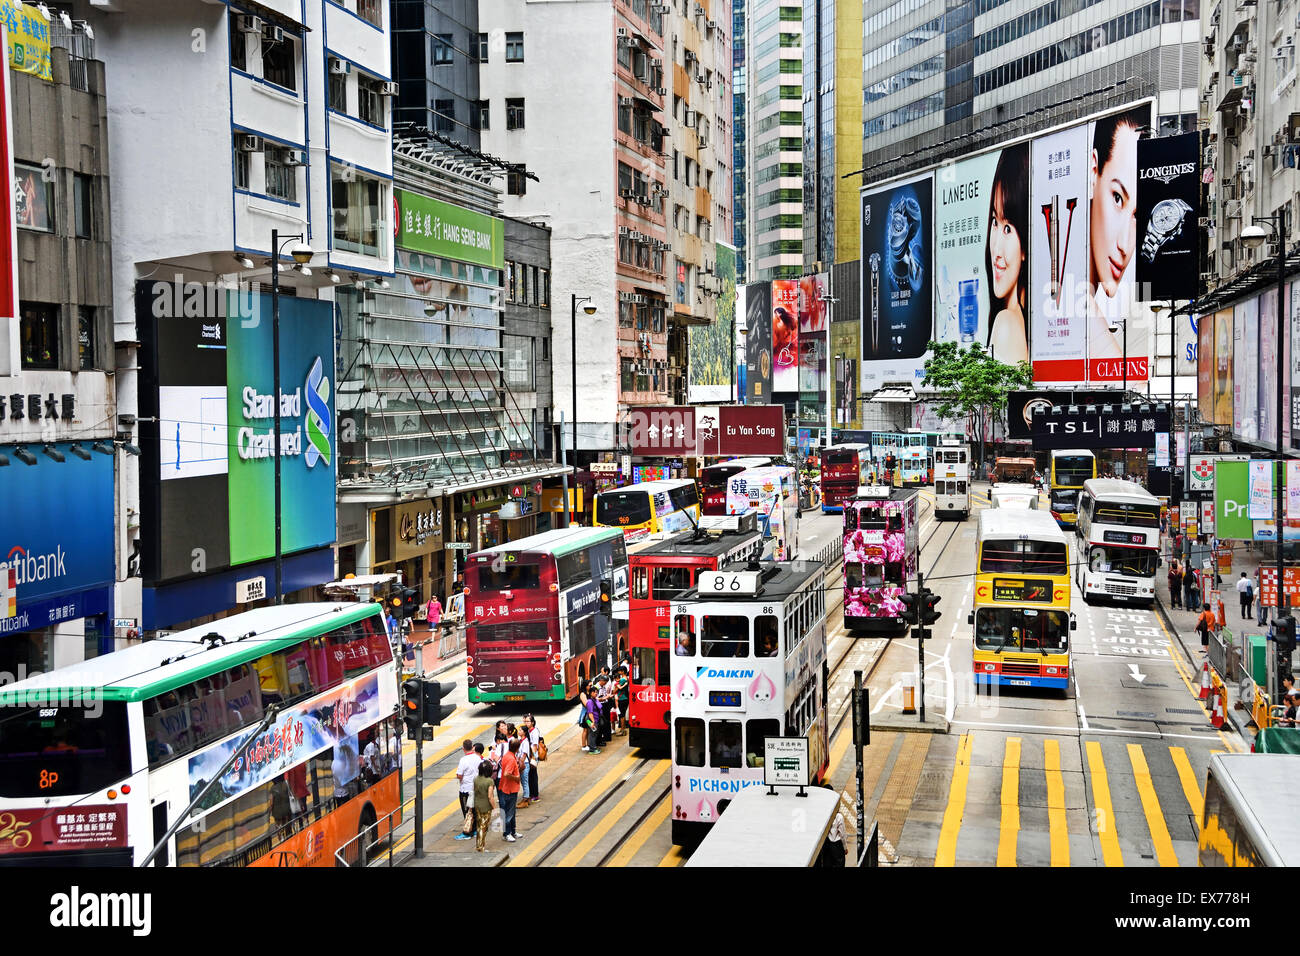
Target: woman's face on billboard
x,y
1113,219
1006,254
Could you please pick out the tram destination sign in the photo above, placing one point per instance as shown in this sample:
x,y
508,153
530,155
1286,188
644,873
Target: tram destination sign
x,y
785,762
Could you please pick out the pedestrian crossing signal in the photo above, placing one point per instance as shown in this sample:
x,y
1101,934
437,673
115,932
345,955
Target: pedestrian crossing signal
x,y
910,608
928,612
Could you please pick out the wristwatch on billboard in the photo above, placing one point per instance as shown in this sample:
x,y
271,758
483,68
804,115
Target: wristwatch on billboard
x,y
1166,222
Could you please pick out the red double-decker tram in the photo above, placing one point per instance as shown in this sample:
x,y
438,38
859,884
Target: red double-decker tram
x,y
660,571
844,469
713,482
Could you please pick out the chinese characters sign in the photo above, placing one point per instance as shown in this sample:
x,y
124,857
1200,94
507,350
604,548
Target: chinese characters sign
x,y
1116,428
427,225
56,829
707,430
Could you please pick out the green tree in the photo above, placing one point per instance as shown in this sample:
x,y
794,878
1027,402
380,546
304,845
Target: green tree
x,y
970,381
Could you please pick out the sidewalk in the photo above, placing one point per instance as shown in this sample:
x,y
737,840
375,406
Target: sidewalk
x,y
1182,624
431,660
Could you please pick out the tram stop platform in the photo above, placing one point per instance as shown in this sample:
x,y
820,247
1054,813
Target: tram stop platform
x,y
460,858
898,722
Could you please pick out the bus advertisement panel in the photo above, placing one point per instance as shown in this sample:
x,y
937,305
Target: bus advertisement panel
x,y
881,552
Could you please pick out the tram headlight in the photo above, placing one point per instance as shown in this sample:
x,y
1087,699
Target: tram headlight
x,y
1051,670
990,667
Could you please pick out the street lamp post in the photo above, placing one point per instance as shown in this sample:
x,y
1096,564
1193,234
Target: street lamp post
x,y
589,309
1253,236
301,255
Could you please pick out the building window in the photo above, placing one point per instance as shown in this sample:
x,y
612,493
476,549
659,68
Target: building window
x,y
278,61
39,332
516,183
484,114
338,92
86,337
238,44
370,100
515,116
83,201
442,48
33,198
514,48
241,164
546,292
357,201
281,178
372,11
481,43
446,115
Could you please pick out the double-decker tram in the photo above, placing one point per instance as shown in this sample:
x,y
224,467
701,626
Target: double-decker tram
x,y
1071,469
1119,541
534,630
713,482
952,481
772,492
881,551
662,571
100,759
748,663
650,507
844,469
1021,609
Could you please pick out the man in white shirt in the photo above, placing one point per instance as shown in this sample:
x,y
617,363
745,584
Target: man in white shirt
x,y
466,771
1246,592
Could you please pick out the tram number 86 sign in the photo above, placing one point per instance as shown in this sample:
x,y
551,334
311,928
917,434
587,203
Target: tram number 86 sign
x,y
734,583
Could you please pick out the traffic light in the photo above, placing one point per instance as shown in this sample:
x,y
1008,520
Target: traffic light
x,y
1284,629
928,601
413,700
435,711
911,602
607,600
407,603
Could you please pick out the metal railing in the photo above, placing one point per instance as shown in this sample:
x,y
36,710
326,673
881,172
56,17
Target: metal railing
x,y
80,48
830,556
368,848
451,641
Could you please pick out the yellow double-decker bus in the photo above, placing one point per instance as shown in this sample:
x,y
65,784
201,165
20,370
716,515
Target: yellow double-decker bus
x,y
1021,612
661,508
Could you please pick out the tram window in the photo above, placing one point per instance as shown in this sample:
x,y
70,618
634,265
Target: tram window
x,y
853,574
766,639
873,575
961,488
640,583
684,642
724,743
663,668
725,636
670,582
690,741
643,665
757,731
894,572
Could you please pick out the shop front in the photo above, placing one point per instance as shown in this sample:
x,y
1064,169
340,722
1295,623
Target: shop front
x,y
408,539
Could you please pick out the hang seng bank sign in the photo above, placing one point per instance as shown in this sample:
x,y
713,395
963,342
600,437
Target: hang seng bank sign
x,y
1105,426
706,430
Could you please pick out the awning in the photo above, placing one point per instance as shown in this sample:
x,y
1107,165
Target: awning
x,y
894,393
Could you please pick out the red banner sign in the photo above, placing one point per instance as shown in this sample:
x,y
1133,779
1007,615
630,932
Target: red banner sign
x,y
53,829
1268,586
678,430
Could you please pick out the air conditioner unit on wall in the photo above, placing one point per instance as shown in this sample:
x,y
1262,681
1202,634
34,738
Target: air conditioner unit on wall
x,y
250,144
389,89
340,67
249,24
273,33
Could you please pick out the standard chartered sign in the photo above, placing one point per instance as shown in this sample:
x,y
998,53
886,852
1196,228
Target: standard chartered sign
x,y
254,443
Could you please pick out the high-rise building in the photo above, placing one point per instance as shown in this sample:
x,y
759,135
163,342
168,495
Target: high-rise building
x,y
774,207
739,91
437,48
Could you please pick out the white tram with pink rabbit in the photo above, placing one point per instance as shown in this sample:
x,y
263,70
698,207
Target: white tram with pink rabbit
x,y
748,662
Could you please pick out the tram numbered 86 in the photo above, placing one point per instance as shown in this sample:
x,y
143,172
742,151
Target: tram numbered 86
x,y
748,663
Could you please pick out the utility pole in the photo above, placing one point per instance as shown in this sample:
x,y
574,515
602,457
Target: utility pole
x,y
861,737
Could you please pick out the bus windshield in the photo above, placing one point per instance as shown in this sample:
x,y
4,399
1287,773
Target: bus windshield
x,y
513,633
834,457
1135,516
59,751
687,496
1030,557
1021,629
618,508
1138,562
1074,470
509,577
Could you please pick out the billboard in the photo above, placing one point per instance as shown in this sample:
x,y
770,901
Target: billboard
x,y
1223,326
1233,495
813,304
1169,192
1245,370
758,343
897,262
1292,386
678,430
1021,406
709,347
1205,366
785,335
846,390
208,465
982,253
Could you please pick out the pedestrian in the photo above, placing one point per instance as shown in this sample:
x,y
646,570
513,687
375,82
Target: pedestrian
x,y
1205,624
1261,612
583,697
525,761
433,613
1243,586
500,746
1189,589
591,723
484,803
604,698
534,743
466,774
509,789
623,695
1175,584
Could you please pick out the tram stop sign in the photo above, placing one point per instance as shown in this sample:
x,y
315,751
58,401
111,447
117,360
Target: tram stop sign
x,y
785,761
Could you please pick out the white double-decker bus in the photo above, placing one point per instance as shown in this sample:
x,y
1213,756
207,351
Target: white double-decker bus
x,y
952,481
1119,541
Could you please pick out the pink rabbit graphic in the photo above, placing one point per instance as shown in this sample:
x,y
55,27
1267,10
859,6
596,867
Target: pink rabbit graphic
x,y
687,689
762,690
705,811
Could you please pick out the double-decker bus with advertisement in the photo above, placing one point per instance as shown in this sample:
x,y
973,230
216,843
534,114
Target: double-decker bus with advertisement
x,y
845,468
952,481
1021,608
748,663
649,508
881,554
281,722
1070,469
1118,541
662,570
772,492
534,630
713,482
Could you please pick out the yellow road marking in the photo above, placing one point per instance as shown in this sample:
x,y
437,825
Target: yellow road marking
x,y
652,823
575,809
675,857
1056,803
1010,830
946,855
1105,815
1164,846
624,805
1191,788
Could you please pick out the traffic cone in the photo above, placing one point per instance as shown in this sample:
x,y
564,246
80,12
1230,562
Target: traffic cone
x,y
1216,712
1205,680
